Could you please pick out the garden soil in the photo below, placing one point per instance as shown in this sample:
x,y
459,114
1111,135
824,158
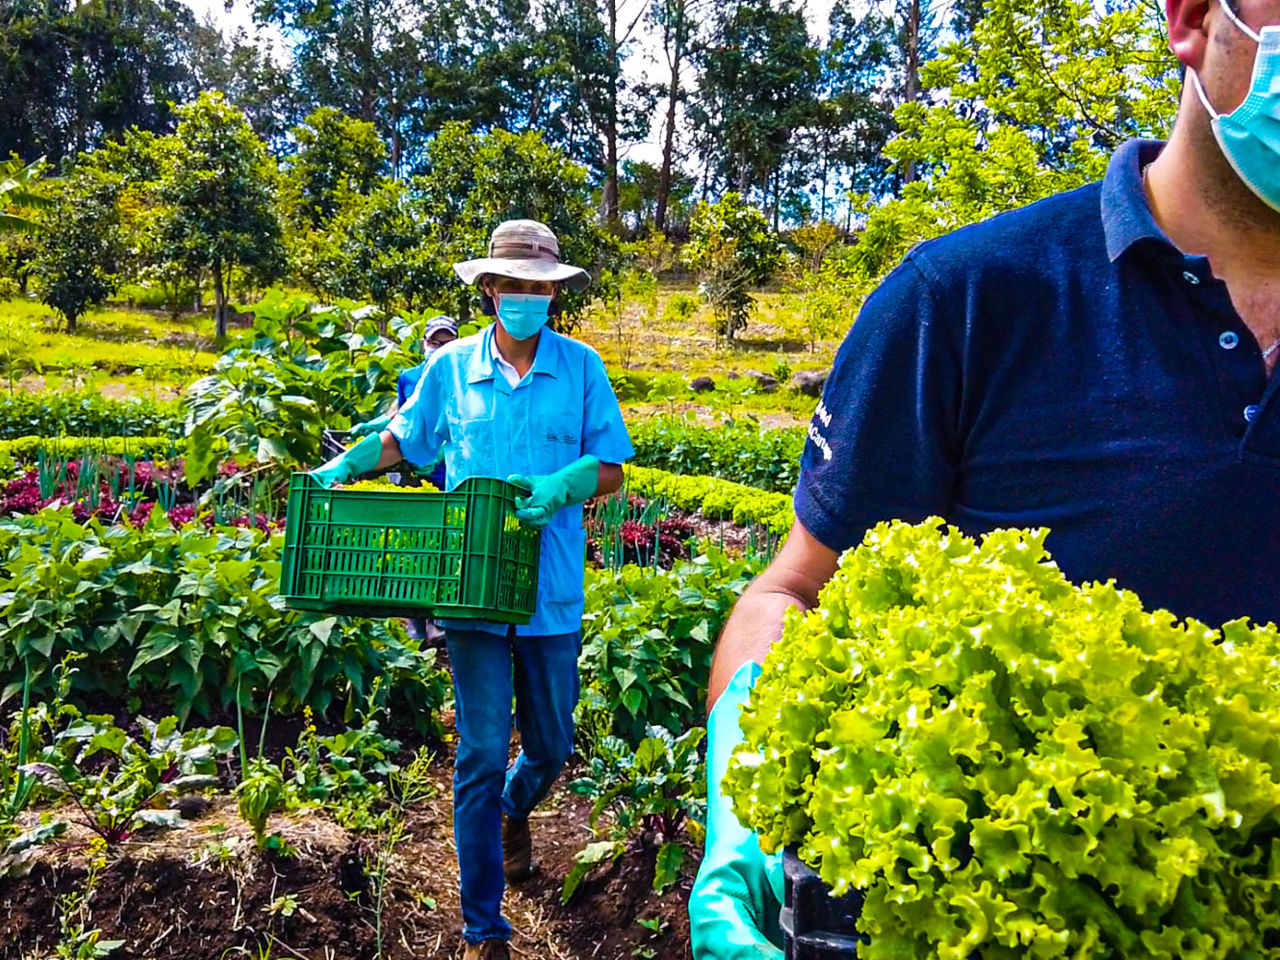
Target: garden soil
x,y
205,892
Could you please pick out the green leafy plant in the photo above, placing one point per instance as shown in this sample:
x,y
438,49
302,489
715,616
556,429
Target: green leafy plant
x,y
191,616
77,940
29,728
652,792
648,637
716,498
259,794
301,369
680,307
85,413
1009,765
20,196
134,775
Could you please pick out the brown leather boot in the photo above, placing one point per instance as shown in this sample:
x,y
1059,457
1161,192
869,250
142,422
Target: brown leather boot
x,y
487,950
517,850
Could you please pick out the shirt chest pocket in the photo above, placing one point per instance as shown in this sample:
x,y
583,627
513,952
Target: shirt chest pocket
x,y
561,431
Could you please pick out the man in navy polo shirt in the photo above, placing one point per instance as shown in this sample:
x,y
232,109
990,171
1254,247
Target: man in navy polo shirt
x,y
1099,363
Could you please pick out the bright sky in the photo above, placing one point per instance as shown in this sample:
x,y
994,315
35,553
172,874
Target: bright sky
x,y
645,59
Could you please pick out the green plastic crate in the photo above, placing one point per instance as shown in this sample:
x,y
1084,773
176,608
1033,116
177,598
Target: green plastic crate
x,y
461,555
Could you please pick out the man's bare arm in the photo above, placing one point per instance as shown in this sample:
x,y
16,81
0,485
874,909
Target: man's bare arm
x,y
610,479
794,578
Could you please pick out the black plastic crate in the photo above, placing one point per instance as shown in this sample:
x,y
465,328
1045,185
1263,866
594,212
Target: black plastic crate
x,y
816,925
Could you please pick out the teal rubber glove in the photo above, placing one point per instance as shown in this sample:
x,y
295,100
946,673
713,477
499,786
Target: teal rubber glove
x,y
361,458
550,494
736,903
374,426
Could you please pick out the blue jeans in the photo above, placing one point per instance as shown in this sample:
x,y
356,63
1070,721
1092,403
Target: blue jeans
x,y
488,670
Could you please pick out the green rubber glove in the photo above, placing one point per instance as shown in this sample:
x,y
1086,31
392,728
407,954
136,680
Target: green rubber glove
x,y
374,426
736,902
361,458
550,494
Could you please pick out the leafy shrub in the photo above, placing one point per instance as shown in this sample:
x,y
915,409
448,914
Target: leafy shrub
x,y
85,414
1012,766
648,637
715,498
631,384
737,450
733,249
191,617
29,449
680,307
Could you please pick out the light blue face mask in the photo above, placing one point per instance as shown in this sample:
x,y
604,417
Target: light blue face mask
x,y
523,314
1250,134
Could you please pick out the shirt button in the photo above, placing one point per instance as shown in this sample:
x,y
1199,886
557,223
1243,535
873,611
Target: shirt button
x,y
1251,412
1228,339
1190,277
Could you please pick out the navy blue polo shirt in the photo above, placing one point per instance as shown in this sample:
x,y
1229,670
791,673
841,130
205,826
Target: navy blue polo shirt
x,y
1065,366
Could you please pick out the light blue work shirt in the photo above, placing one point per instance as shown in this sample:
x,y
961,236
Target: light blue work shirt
x,y
465,411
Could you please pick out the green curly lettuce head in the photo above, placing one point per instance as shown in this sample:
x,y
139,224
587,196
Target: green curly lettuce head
x,y
1012,766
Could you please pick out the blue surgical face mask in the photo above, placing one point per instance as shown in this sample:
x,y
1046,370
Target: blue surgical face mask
x,y
1250,134
523,314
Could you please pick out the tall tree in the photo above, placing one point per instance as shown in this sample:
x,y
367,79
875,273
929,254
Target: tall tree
x,y
759,82
592,109
336,156
217,179
676,21
253,77
74,73
360,57
80,246
640,188
861,88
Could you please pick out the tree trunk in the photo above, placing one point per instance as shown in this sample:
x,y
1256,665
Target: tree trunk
x,y
71,323
368,76
913,75
668,156
611,124
676,54
220,303
777,194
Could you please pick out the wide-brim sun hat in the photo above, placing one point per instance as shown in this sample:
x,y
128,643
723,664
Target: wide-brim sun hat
x,y
523,250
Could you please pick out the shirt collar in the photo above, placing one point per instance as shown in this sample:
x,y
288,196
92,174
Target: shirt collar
x,y
481,365
1126,215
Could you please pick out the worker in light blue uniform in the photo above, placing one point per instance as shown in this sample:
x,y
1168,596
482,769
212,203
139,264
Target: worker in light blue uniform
x,y
520,401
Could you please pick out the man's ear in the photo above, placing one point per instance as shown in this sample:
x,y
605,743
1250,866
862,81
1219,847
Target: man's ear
x,y
1189,23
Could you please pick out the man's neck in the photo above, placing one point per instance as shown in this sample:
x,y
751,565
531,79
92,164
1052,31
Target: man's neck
x,y
1205,209
518,353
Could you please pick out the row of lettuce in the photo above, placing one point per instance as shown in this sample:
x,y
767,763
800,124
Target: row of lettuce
x,y
768,459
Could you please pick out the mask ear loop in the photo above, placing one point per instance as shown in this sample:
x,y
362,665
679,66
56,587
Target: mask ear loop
x,y
1195,82
1247,30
